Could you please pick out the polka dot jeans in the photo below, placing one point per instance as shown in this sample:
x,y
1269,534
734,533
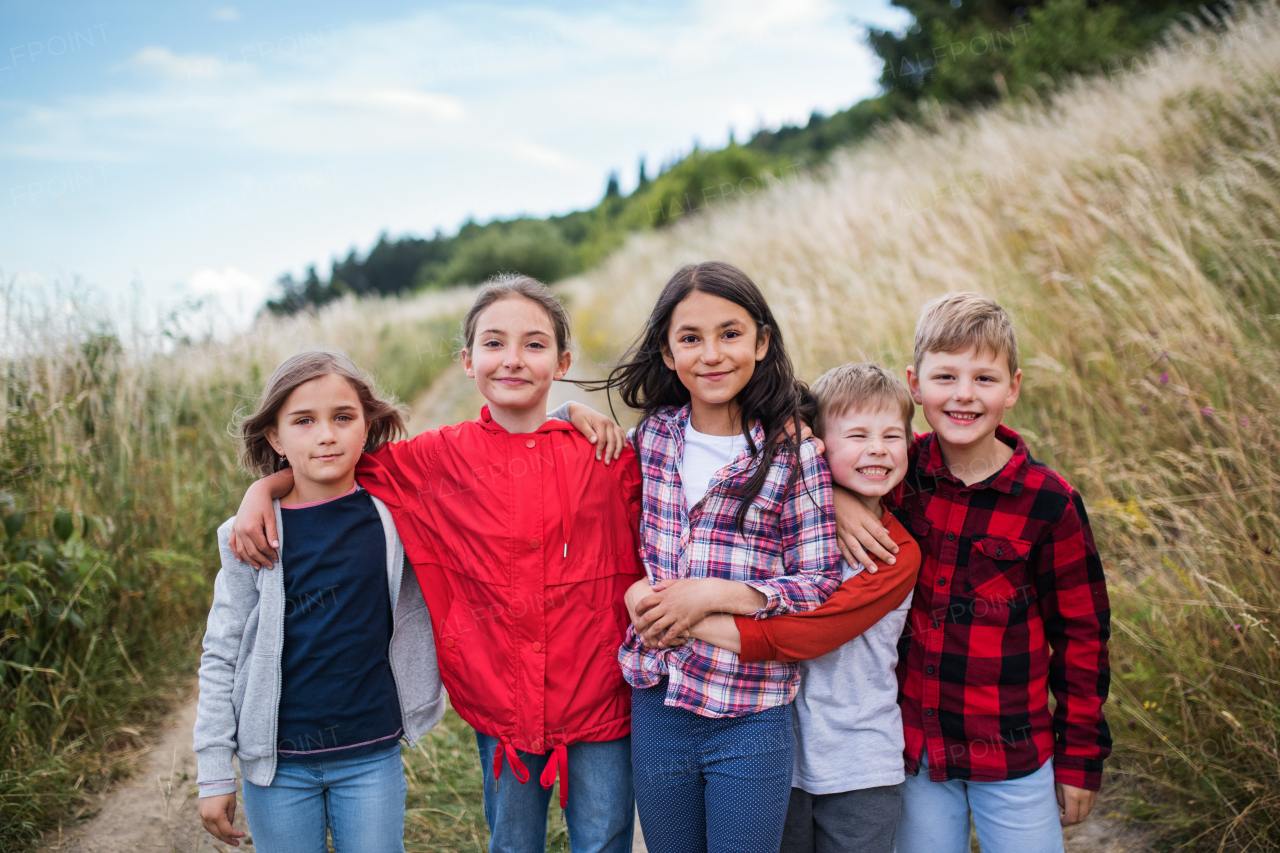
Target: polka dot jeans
x,y
710,785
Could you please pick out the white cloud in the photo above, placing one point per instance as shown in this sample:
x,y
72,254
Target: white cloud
x,y
538,155
467,78
765,17
231,295
161,62
228,282
156,59
226,14
411,123
440,107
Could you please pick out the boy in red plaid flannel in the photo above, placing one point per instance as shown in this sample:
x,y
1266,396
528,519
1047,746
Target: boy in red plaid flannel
x,y
1010,606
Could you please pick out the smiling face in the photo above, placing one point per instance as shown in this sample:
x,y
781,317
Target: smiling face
x,y
867,450
713,347
964,395
321,429
513,359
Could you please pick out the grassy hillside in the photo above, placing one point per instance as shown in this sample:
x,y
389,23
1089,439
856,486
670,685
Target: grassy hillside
x,y
953,55
1132,226
116,467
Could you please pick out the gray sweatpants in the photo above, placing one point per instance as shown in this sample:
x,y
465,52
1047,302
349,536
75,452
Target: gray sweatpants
x,y
864,821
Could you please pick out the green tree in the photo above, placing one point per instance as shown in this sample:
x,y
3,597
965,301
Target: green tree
x,y
530,246
974,51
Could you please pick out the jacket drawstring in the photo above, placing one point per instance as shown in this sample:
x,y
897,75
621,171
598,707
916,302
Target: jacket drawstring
x,y
567,509
559,763
517,766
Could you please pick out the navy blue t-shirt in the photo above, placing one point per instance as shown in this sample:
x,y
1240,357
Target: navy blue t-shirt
x,y
337,697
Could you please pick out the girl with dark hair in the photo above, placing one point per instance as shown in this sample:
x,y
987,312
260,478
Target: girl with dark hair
x,y
523,547
735,519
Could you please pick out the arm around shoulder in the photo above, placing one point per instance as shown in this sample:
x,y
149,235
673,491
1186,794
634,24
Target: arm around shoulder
x,y
859,603
807,535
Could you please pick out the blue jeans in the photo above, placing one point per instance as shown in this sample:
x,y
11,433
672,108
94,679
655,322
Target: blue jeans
x,y
1013,816
600,816
710,785
360,800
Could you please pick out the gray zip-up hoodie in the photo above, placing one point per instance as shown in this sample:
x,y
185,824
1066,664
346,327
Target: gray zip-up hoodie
x,y
240,668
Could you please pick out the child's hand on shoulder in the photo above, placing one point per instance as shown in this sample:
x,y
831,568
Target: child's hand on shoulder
x,y
860,534
217,815
805,434
609,438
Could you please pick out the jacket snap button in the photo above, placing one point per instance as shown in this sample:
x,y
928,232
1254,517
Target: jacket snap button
x,y
533,544
448,641
537,647
999,552
951,537
535,746
531,443
942,581
928,712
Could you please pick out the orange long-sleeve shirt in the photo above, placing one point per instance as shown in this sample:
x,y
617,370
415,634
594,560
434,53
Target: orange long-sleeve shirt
x,y
860,602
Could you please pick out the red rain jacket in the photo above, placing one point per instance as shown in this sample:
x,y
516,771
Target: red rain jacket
x,y
524,546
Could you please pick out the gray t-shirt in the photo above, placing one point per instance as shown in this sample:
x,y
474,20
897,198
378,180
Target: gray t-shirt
x,y
847,723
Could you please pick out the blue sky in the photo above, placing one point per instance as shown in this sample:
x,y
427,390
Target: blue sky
x,y
172,151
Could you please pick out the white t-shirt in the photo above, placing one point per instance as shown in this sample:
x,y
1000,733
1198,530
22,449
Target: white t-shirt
x,y
704,456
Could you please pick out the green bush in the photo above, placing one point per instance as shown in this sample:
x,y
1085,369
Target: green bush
x,y
116,467
700,180
529,246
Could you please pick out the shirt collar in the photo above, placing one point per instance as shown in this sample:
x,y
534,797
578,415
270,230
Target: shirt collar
x,y
1008,479
551,425
677,419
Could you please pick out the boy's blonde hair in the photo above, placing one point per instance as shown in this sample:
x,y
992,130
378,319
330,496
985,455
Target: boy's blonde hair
x,y
862,387
959,322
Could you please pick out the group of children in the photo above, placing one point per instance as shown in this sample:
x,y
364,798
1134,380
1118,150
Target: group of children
x,y
770,618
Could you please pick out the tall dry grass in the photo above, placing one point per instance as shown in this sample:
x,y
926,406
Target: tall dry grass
x,y
1132,226
116,466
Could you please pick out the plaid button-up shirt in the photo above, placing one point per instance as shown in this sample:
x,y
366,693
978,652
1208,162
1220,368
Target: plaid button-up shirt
x,y
1010,605
787,551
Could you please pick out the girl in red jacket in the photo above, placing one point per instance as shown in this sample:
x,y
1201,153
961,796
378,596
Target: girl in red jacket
x,y
524,548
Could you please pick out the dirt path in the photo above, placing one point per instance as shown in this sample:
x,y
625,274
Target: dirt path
x,y
155,810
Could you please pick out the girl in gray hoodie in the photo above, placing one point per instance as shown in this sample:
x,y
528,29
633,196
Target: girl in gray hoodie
x,y
312,675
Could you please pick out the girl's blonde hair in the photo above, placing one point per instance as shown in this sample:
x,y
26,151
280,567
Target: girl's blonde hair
x,y
385,417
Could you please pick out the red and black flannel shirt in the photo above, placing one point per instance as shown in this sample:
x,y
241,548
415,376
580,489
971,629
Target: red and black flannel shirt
x,y
1010,604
